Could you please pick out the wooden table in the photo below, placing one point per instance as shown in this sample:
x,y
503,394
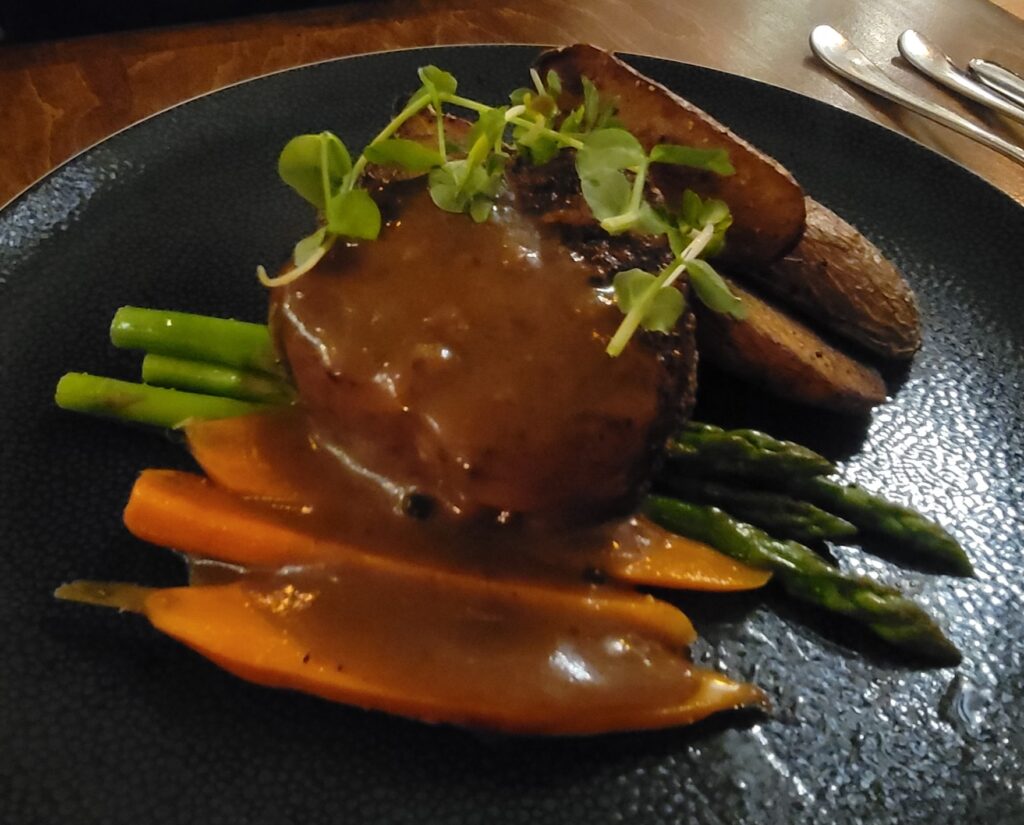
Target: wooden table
x,y
58,98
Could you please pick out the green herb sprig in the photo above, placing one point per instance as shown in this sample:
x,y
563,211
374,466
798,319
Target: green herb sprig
x,y
649,301
611,163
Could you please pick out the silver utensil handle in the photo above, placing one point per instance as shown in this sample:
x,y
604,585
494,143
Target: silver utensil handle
x,y
997,77
928,59
846,59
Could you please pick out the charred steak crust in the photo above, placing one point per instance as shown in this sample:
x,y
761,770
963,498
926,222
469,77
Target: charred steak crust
x,y
551,193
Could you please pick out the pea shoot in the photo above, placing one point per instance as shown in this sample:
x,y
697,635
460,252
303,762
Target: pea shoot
x,y
612,166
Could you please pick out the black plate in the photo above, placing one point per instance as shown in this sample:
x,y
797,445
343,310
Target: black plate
x,y
102,720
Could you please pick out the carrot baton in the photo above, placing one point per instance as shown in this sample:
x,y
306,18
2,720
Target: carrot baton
x,y
189,513
241,455
642,552
553,666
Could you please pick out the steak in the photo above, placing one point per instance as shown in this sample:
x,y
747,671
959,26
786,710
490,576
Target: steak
x,y
466,361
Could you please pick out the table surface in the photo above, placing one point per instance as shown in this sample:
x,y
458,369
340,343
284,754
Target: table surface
x,y
60,97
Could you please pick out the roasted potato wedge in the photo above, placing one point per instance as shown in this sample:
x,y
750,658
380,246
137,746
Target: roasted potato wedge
x,y
767,203
774,350
839,279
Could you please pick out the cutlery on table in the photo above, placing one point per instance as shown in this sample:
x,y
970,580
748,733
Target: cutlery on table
x,y
932,62
840,55
1008,84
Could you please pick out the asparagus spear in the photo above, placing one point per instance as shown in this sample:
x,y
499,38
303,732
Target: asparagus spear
x,y
141,403
777,513
213,379
754,457
875,515
699,450
702,449
805,576
196,337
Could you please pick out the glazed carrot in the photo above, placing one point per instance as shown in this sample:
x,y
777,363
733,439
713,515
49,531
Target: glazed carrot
x,y
188,513
239,455
343,647
648,554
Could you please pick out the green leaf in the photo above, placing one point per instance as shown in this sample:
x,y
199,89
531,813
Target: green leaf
x,y
714,212
639,292
717,242
308,246
299,165
553,83
542,150
694,215
442,81
480,209
474,181
339,162
591,103
677,241
455,187
495,167
715,245
713,292
664,310
534,143
407,154
609,149
630,287
490,124
650,221
606,192
713,160
445,188
353,214
645,220
689,211
597,113
573,122
518,96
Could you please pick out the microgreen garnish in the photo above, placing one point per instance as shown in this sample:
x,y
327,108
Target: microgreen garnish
x,y
537,108
407,154
597,112
713,291
649,301
435,83
714,160
611,163
656,309
608,153
320,169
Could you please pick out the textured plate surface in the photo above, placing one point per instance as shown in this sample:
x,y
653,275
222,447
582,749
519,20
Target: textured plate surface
x,y
103,721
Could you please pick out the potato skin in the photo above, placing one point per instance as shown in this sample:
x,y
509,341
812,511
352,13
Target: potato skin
x,y
767,203
772,349
840,280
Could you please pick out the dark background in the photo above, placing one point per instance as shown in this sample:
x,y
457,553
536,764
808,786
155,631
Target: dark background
x,y
33,20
